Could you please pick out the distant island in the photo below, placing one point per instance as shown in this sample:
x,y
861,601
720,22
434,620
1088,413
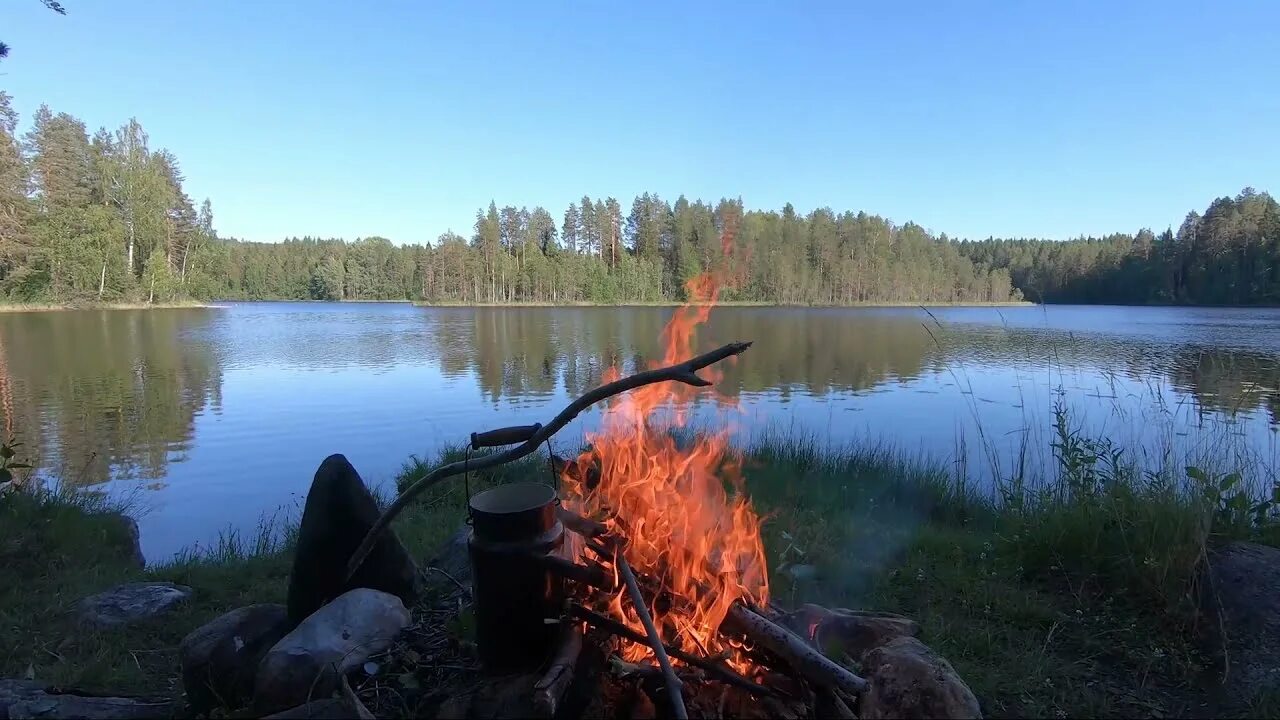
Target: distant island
x,y
105,221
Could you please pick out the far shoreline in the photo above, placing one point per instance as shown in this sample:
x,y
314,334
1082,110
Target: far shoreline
x,y
216,304
722,303
60,307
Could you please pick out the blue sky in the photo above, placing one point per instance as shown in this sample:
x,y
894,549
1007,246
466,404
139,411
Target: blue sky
x,y
400,118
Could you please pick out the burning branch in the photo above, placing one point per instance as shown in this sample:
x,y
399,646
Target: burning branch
x,y
685,372
549,690
802,657
715,669
655,640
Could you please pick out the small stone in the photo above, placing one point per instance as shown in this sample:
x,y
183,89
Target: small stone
x,y
333,641
132,602
220,658
339,512
907,680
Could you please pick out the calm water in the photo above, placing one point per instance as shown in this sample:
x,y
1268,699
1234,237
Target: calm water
x,y
220,416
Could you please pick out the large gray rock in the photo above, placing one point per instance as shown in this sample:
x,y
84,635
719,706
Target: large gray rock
x,y
1245,589
851,631
307,663
338,513
220,658
908,681
453,558
28,699
132,602
129,537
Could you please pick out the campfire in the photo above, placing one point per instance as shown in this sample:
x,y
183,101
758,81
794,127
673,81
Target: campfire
x,y
646,556
671,530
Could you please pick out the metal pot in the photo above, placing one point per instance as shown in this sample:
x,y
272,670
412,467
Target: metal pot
x,y
511,526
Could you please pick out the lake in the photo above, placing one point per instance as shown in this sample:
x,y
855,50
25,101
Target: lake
x,y
215,418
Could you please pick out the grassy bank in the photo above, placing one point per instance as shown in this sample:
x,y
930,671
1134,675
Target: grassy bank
x,y
1075,599
52,307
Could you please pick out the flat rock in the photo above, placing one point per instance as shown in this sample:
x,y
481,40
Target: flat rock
x,y
338,513
132,602
1245,588
220,658
907,680
28,699
333,641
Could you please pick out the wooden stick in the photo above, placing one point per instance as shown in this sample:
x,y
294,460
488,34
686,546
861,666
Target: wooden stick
x,y
830,703
803,658
685,372
591,574
717,670
353,700
548,691
655,640
585,527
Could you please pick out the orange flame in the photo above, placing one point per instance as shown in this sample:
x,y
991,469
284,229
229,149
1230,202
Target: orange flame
x,y
687,532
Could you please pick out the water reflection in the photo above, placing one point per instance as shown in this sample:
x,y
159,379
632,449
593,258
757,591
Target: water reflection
x,y
106,395
1230,382
521,352
170,399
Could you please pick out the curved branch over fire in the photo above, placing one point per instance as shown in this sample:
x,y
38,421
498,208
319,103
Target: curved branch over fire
x,y
685,372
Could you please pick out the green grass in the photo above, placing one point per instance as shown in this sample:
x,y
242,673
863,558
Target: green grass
x,y
57,548
1032,633
1074,597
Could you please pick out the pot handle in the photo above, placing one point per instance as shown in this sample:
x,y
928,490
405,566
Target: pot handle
x,y
504,436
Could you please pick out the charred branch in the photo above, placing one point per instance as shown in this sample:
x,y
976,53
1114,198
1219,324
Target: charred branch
x,y
803,658
654,639
585,527
830,704
549,690
588,476
684,372
714,669
592,575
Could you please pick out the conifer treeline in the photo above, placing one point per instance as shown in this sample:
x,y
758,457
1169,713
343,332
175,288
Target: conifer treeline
x,y
1230,255
105,218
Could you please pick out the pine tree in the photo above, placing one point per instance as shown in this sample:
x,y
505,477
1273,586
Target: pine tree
x,y
15,209
60,160
569,230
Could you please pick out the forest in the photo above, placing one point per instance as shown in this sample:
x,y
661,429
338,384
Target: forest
x,y
105,218
1229,255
